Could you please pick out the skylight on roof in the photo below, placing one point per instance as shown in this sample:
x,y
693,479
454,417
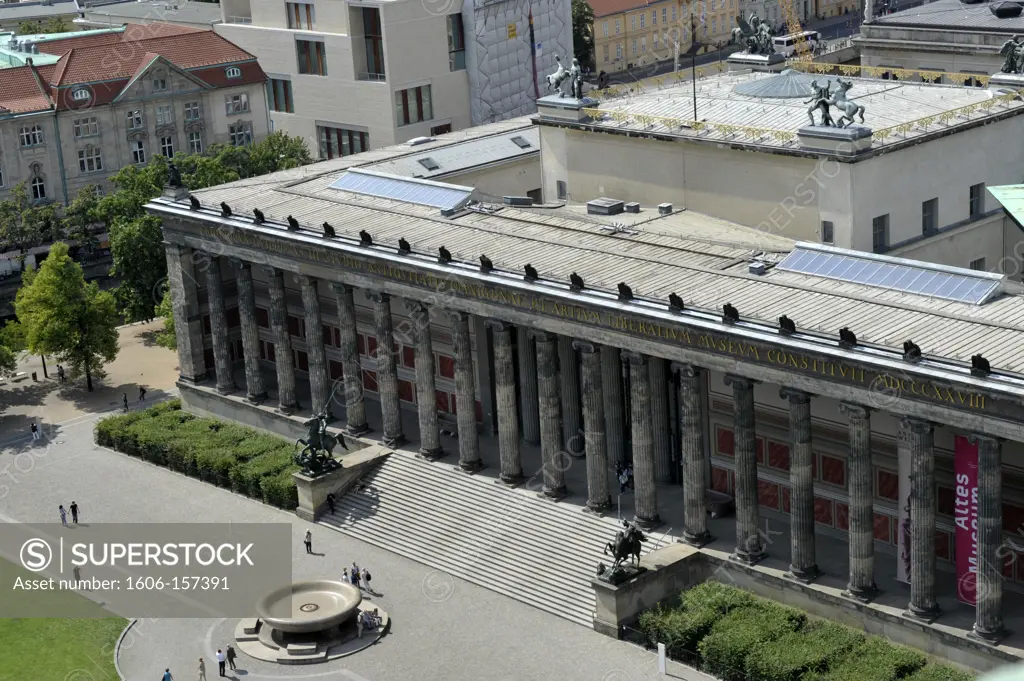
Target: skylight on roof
x,y
521,142
893,274
429,163
422,192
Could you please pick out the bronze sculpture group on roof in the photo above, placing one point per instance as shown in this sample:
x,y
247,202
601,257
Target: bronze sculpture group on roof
x,y
823,99
756,34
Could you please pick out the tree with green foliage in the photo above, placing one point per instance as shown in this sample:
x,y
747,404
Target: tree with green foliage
x,y
167,338
82,216
51,25
140,264
64,316
25,224
12,341
583,32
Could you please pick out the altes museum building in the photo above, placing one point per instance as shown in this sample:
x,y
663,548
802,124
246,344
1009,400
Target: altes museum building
x,y
854,396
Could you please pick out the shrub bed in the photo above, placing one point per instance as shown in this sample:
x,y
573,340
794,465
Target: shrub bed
x,y
223,454
736,636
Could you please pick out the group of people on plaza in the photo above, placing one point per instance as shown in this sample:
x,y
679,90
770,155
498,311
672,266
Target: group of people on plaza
x,y
225,659
357,577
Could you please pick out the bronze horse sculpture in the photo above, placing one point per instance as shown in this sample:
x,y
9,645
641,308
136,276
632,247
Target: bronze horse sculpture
x,y
627,543
317,455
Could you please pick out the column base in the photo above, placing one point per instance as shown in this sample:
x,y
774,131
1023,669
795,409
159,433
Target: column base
x,y
259,398
698,539
532,443
990,637
358,429
748,557
287,409
805,575
555,493
512,480
647,524
193,380
598,507
394,441
431,453
861,594
923,615
226,389
471,467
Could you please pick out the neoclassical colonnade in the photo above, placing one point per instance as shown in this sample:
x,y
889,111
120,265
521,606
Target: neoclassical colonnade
x,y
551,388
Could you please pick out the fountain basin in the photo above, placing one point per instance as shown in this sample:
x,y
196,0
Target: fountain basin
x,y
309,606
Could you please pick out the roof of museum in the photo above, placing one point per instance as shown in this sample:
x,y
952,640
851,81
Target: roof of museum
x,y
953,14
703,259
895,111
192,13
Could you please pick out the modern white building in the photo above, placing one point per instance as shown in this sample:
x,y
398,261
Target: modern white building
x,y
352,76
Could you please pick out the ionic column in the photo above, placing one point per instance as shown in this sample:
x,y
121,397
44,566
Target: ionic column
x,y
691,447
319,380
218,326
598,498
614,406
426,393
645,493
254,388
802,562
188,322
387,370
355,407
861,535
922,520
748,520
660,429
505,394
465,394
283,359
552,457
569,378
988,623
528,386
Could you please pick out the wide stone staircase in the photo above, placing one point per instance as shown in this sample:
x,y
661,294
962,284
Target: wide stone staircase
x,y
506,540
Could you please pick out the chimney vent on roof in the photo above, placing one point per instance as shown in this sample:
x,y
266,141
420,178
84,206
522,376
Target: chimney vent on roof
x,y
632,207
758,267
517,200
604,206
665,208
1005,10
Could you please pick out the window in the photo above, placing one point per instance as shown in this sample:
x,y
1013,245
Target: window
x,y
86,127
192,112
643,20
335,142
604,52
312,57
929,216
664,14
138,152
978,264
1,177
300,15
563,191
236,104
618,27
880,233
618,51
654,42
673,12
233,72
441,129
90,160
977,205
159,84
241,133
604,29
279,95
456,43
414,105
632,23
134,119
828,232
164,115
654,17
81,94
38,188
634,46
714,25
643,44
31,136
195,143
374,42
167,147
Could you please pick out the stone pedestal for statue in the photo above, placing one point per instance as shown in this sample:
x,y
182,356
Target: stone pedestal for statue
x,y
856,139
1007,81
565,108
767,63
313,490
178,193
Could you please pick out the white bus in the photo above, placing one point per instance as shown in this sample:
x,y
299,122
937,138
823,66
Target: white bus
x,y
786,45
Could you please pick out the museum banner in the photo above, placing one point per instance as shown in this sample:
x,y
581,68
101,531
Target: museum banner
x,y
965,513
903,530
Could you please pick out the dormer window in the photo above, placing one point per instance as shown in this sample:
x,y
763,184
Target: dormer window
x,y
81,94
233,72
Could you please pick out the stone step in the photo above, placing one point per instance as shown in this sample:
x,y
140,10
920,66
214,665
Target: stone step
x,y
305,658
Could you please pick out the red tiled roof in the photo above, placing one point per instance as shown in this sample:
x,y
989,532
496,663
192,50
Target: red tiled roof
x,y
20,91
604,8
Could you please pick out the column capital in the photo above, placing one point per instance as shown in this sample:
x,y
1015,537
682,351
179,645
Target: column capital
x,y
379,296
740,382
686,369
240,265
270,270
497,325
981,439
586,347
634,358
306,280
916,425
340,287
416,307
854,412
795,396
457,316
542,336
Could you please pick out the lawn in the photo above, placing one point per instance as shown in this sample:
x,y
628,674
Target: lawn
x,y
79,649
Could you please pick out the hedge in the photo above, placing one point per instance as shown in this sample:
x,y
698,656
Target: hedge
x,y
736,636
224,454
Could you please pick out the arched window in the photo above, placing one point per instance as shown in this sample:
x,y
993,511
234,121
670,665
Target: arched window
x,y
81,94
233,72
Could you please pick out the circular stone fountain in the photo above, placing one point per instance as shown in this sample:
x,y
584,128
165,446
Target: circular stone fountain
x,y
308,622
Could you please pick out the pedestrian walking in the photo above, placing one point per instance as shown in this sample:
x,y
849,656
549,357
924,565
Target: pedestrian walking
x,y
345,577
142,394
35,431
74,512
202,669
308,541
125,399
220,661
366,579
230,654
63,515
60,373
330,501
355,574
167,675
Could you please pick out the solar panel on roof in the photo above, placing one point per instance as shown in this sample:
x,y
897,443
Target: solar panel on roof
x,y
924,281
421,192
429,163
521,142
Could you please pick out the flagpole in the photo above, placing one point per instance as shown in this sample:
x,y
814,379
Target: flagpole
x,y
693,62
